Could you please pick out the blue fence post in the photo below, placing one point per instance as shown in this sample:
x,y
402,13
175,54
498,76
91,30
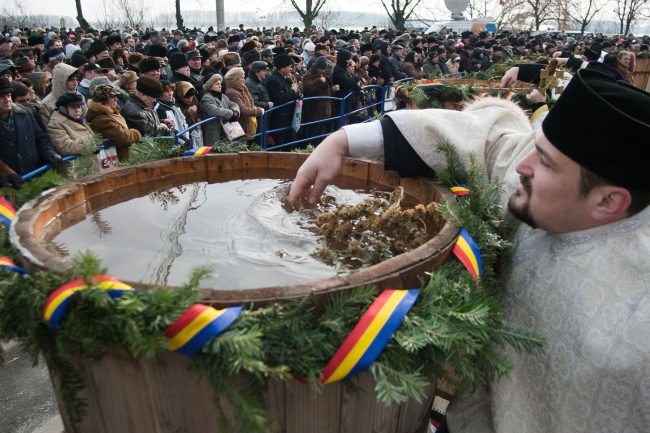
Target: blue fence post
x,y
384,90
263,136
342,111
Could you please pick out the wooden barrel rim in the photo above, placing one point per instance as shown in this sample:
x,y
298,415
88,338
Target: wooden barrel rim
x,y
40,218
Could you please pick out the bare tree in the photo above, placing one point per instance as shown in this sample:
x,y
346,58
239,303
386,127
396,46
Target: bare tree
x,y
582,12
328,18
401,11
179,17
628,12
541,11
80,16
312,9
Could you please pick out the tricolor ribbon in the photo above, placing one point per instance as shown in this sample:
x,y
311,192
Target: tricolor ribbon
x,y
430,84
7,263
56,305
511,96
7,212
460,190
370,335
203,150
198,325
469,254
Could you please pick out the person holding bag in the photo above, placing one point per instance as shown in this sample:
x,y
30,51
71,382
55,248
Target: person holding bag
x,y
238,93
216,104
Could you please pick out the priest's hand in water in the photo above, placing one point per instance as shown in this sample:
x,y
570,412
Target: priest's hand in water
x,y
320,169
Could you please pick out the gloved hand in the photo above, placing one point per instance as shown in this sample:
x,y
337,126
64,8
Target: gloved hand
x,y
15,180
235,116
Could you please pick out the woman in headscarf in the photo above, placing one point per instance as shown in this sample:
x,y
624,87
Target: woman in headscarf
x,y
624,60
238,93
317,82
186,98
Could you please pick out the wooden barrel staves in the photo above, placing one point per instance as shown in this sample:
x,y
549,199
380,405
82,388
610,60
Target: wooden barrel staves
x,y
126,395
642,74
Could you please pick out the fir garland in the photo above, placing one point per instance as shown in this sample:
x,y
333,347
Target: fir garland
x,y
455,321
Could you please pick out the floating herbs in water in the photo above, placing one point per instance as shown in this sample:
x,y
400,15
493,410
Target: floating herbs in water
x,y
374,230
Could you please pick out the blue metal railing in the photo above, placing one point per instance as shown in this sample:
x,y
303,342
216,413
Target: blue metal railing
x,y
262,136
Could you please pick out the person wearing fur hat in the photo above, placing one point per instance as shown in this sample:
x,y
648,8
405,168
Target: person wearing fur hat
x,y
151,67
97,50
282,87
65,79
105,119
138,110
25,146
581,213
238,93
67,128
181,69
215,104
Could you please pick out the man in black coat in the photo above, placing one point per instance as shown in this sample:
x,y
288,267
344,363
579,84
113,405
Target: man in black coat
x,y
24,146
282,89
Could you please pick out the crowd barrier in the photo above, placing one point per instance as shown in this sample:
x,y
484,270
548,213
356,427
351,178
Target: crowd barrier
x,y
384,102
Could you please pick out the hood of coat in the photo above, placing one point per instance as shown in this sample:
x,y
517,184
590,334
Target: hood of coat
x,y
60,76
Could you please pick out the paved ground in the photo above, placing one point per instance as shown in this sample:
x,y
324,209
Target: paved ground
x,y
27,401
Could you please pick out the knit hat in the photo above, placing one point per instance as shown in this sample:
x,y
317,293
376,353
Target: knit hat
x,y
77,59
98,81
55,54
231,59
149,64
320,63
624,114
102,92
70,98
213,79
177,61
283,60
149,87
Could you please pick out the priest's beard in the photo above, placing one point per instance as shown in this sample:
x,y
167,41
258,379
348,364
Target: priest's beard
x,y
522,211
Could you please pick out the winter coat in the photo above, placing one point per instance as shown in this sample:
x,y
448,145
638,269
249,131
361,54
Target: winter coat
x,y
27,147
395,65
143,119
169,110
214,106
280,92
176,77
59,80
246,112
312,86
112,126
412,71
258,90
67,136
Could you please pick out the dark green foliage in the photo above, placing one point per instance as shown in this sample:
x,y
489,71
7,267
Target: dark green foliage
x,y
33,187
148,149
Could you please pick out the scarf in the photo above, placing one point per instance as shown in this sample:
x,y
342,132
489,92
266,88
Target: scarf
x,y
246,94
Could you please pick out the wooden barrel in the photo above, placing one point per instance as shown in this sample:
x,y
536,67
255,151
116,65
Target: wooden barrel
x,y
166,395
642,74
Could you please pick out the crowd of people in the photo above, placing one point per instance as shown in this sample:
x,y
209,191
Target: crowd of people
x,y
125,84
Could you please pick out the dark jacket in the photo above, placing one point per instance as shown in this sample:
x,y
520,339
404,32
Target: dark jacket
x,y
280,92
396,68
25,148
139,117
176,77
258,90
